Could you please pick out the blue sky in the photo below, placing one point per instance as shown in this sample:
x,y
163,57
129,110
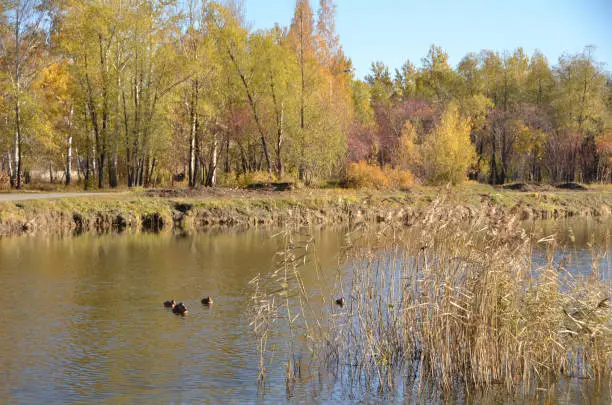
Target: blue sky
x,y
395,30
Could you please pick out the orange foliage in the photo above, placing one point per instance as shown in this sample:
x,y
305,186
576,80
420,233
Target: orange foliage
x,y
362,175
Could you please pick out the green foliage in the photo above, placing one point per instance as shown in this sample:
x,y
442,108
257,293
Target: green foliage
x,y
580,97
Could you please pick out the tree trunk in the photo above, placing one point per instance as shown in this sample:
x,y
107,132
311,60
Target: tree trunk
x,y
10,167
78,164
193,137
279,144
86,186
493,174
17,145
253,106
150,175
211,179
112,171
192,158
228,167
18,151
16,154
69,159
101,160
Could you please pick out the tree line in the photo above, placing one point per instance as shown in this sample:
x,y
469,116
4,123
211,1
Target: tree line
x,y
527,120
148,92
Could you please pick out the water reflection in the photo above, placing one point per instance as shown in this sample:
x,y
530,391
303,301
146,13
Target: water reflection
x,y
581,244
82,320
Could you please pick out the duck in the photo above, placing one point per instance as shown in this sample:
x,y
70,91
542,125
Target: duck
x,y
180,309
170,304
340,301
207,300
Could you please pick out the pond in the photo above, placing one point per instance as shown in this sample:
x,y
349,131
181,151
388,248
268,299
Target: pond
x,y
82,319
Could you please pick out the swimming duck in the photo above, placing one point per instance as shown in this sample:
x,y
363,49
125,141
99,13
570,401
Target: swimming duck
x,y
207,300
170,304
180,309
340,301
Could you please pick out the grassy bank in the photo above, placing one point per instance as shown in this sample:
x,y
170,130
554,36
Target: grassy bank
x,y
190,211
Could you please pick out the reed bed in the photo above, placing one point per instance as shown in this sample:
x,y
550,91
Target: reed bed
x,y
437,300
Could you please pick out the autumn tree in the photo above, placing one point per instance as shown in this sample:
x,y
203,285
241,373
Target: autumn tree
x,y
55,89
447,151
23,51
436,80
301,34
581,90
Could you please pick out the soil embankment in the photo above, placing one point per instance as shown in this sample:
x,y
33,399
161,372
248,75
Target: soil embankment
x,y
185,211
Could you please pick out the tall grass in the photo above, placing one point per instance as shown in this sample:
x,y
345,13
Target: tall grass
x,y
443,301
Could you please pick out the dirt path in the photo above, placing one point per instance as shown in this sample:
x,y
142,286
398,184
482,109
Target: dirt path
x,y
44,196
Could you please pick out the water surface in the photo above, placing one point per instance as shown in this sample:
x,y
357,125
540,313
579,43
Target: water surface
x,y
82,320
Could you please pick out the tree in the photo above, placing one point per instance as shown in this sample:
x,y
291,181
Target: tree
x,y
54,87
470,76
301,34
540,81
405,81
447,151
381,85
232,39
328,41
276,77
23,52
436,80
581,91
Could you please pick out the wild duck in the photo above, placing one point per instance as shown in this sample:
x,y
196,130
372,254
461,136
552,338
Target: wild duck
x,y
180,309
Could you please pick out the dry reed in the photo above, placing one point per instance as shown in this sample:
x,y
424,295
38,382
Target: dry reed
x,y
446,302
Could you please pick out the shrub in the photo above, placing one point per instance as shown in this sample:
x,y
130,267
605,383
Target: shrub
x,y
5,182
245,179
161,177
362,175
228,180
400,179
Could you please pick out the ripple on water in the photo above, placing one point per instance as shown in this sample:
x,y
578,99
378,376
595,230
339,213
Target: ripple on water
x,y
90,326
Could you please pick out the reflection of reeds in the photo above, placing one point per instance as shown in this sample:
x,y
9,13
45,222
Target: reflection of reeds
x,y
448,302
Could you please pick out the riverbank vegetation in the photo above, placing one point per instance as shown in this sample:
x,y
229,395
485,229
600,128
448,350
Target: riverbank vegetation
x,y
150,93
444,302
187,210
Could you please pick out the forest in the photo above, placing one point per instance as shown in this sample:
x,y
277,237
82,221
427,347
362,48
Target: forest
x,y
145,93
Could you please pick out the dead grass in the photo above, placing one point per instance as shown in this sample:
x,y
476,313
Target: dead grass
x,y
447,302
223,207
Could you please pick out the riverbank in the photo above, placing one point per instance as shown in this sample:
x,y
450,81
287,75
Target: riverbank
x,y
186,211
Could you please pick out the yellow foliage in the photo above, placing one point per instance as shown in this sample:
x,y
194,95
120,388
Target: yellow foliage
x,y
246,179
448,152
5,182
400,179
477,107
362,175
406,156
531,140
229,180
